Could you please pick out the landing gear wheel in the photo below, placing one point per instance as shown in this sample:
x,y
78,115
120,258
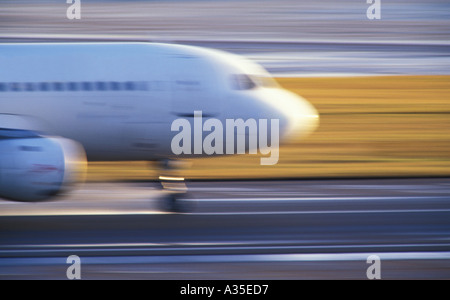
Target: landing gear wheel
x,y
176,203
174,189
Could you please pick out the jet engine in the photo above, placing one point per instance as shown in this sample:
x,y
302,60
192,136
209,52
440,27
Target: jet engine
x,y
37,168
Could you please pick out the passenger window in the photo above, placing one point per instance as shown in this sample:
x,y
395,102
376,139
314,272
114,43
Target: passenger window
x,y
15,87
2,87
58,86
72,86
115,86
29,87
100,86
142,85
44,86
86,86
129,86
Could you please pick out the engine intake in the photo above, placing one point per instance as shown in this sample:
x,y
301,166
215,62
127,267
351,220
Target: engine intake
x,y
37,168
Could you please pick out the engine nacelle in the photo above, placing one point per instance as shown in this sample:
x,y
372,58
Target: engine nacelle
x,y
36,168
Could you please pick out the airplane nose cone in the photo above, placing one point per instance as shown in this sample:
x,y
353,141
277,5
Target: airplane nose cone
x,y
302,117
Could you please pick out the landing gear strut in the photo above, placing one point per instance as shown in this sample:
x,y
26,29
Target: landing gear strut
x,y
173,187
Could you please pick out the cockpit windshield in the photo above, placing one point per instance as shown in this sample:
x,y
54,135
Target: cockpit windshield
x,y
264,81
243,82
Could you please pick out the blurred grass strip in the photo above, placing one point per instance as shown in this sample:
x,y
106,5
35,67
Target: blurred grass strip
x,y
370,126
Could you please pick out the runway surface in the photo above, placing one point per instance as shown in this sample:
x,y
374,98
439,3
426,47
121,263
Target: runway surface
x,y
309,229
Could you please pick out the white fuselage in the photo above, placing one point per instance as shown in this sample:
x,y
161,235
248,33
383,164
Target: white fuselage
x,y
119,99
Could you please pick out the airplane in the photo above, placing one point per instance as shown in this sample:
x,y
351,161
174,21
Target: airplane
x,y
64,104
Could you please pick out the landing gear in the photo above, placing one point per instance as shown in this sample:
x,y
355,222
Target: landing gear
x,y
173,187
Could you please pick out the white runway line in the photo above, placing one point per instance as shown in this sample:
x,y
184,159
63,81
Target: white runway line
x,y
121,247
299,199
238,258
141,206
325,212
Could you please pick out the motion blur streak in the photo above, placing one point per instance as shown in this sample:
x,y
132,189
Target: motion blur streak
x,y
369,126
277,230
382,90
245,20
